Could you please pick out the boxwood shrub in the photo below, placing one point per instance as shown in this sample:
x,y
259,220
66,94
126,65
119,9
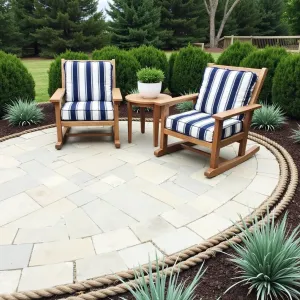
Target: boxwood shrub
x,y
15,81
234,54
286,85
171,66
126,66
151,57
188,69
266,58
55,69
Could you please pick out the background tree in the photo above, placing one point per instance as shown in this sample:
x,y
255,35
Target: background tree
x,y
68,24
134,23
292,15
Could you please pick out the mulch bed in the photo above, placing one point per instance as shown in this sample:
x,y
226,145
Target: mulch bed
x,y
220,271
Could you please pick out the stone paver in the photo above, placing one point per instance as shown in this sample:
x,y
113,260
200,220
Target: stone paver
x,y
7,235
263,185
233,211
250,198
82,197
9,281
7,162
14,256
34,278
113,180
9,174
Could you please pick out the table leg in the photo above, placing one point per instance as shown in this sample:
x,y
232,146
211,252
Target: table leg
x,y
143,120
129,112
156,117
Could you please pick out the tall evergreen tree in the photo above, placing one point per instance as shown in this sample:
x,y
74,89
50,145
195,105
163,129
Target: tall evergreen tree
x,y
9,31
134,23
183,22
68,24
293,16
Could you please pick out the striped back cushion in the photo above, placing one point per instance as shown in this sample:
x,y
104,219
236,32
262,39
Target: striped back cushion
x,y
223,90
88,81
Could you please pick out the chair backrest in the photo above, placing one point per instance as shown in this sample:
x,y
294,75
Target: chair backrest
x,y
225,87
88,80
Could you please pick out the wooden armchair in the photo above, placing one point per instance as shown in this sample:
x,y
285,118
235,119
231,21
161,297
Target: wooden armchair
x,y
222,115
88,97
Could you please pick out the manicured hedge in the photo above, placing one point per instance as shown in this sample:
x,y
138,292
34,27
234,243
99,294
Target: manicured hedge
x,y
55,69
126,67
171,67
188,69
266,58
234,54
15,81
286,85
151,57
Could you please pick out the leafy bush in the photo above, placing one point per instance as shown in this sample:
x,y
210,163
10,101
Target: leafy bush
x,y
23,112
151,57
55,69
286,85
158,289
234,54
269,117
296,134
15,80
269,260
188,69
266,58
126,66
171,67
150,75
188,105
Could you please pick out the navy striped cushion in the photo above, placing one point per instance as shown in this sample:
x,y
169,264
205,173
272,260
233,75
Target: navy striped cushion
x,y
223,90
88,81
87,111
201,125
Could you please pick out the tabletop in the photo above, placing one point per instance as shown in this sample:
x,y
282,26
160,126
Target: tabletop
x,y
137,99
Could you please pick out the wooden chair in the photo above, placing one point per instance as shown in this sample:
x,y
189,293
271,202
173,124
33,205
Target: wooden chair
x,y
209,124
88,97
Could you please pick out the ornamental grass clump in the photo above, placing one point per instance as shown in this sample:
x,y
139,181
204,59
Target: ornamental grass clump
x,y
23,113
296,134
150,75
155,287
268,260
269,117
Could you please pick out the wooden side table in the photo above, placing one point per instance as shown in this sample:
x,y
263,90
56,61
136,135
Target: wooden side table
x,y
137,100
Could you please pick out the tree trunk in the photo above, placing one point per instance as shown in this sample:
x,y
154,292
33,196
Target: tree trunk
x,y
212,33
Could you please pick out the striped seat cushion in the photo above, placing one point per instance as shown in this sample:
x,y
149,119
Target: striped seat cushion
x,y
201,125
87,111
88,81
223,90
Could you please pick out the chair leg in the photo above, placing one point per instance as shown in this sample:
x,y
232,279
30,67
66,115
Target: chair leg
x,y
116,127
162,150
60,138
215,151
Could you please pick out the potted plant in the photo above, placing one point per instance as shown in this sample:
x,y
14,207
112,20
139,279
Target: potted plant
x,y
150,82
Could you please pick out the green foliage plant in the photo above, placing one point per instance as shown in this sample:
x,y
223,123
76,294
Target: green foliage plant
x,y
150,75
157,288
171,67
267,58
15,80
23,113
286,85
269,118
234,54
126,66
296,135
55,69
187,105
188,69
149,56
268,259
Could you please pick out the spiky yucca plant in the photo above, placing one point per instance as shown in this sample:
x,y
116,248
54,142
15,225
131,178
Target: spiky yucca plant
x,y
269,117
23,112
296,134
187,106
156,288
269,260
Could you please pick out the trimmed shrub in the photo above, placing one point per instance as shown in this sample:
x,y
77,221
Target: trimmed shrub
x,y
266,58
151,57
286,85
234,54
15,81
23,113
171,66
126,67
188,69
55,69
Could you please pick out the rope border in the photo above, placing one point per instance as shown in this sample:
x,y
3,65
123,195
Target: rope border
x,y
276,204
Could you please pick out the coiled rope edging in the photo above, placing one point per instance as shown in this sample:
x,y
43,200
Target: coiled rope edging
x,y
275,204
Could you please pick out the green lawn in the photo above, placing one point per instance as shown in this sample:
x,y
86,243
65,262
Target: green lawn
x,y
39,70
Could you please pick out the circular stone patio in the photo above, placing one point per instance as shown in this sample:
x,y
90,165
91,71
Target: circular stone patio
x,y
89,209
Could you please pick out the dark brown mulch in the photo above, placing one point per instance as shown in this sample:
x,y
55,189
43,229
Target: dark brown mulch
x,y
220,271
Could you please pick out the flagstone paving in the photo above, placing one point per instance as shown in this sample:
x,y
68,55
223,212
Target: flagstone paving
x,y
90,209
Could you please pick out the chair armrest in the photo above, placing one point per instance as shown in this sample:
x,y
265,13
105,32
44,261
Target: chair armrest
x,y
236,111
58,95
177,100
117,96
